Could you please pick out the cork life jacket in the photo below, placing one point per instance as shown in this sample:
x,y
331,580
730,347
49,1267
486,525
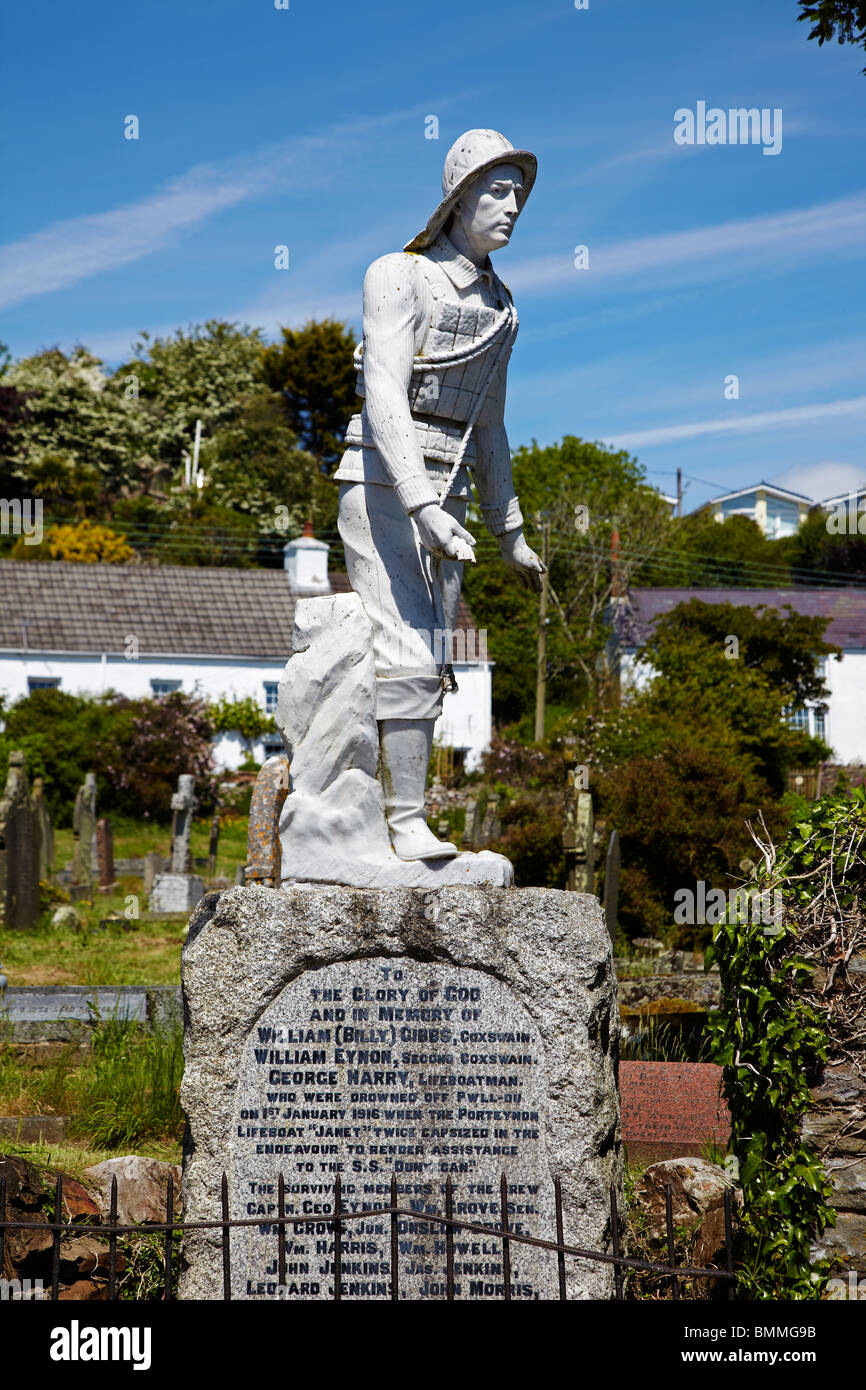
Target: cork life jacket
x,y
462,348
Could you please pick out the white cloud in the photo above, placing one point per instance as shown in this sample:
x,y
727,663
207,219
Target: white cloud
x,y
742,424
822,480
80,247
777,240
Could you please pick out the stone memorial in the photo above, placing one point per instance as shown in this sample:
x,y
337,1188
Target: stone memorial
x,y
105,855
391,1009
464,1033
213,843
578,841
491,826
179,890
152,865
469,839
264,852
19,850
45,829
611,882
83,833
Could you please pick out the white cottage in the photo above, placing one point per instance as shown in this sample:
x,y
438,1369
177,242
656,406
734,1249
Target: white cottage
x,y
147,630
840,720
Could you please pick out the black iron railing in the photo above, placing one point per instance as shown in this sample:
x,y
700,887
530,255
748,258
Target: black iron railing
x,y
340,1219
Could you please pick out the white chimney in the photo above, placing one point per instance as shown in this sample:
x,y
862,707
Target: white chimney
x,y
305,561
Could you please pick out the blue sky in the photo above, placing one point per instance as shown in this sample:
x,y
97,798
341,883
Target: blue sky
x,y
306,127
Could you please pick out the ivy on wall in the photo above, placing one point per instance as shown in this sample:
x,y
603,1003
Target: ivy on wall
x,y
788,1000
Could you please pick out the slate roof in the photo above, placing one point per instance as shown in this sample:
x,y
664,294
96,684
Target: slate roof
x,y
846,608
172,609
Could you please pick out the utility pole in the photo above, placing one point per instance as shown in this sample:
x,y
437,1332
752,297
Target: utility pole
x,y
541,672
679,492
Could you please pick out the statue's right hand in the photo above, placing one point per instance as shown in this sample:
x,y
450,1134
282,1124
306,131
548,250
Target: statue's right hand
x,y
443,535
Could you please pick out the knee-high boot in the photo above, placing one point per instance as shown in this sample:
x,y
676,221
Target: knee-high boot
x,y
404,746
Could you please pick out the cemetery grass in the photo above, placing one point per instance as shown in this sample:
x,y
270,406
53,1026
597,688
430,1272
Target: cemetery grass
x,y
129,950
121,1092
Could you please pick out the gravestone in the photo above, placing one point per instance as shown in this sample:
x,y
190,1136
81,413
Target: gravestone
x,y
153,864
464,1033
83,833
213,845
578,839
491,827
179,890
19,850
264,852
105,855
470,827
183,805
45,829
611,883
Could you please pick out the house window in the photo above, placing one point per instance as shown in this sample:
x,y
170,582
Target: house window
x,y
798,718
271,692
820,722
42,683
273,745
160,688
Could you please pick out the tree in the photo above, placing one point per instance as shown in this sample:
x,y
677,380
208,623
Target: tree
x,y
254,465
703,747
842,20
842,553
731,553
202,374
587,494
313,369
72,414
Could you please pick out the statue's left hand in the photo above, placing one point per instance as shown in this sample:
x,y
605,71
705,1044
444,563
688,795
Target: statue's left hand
x,y
519,557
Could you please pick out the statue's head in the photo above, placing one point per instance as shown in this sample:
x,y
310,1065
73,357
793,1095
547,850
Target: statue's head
x,y
487,211
485,183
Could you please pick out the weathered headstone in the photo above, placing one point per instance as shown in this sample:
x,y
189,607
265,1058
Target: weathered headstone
x,y
179,890
465,1033
83,832
213,846
264,852
578,839
19,849
470,826
491,827
153,864
183,805
45,829
611,883
105,855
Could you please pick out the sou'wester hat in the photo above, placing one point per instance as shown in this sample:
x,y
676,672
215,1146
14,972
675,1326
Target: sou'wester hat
x,y
472,154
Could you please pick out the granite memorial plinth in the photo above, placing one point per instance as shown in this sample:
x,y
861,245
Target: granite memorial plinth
x,y
464,1033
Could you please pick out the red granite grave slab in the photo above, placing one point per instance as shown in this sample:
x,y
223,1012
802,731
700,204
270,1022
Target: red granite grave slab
x,y
670,1108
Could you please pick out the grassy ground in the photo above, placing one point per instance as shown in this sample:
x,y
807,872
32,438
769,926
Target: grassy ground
x,y
122,1092
131,950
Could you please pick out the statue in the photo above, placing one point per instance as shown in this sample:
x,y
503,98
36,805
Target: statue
x,y
439,326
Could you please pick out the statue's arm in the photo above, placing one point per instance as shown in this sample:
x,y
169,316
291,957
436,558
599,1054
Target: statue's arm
x,y
391,308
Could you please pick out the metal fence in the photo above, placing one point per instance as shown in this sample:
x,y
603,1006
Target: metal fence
x,y
341,1219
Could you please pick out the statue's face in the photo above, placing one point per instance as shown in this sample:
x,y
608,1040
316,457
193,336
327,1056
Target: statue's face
x,y
489,209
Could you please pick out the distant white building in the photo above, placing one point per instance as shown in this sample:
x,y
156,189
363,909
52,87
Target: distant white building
x,y
777,511
841,719
145,630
